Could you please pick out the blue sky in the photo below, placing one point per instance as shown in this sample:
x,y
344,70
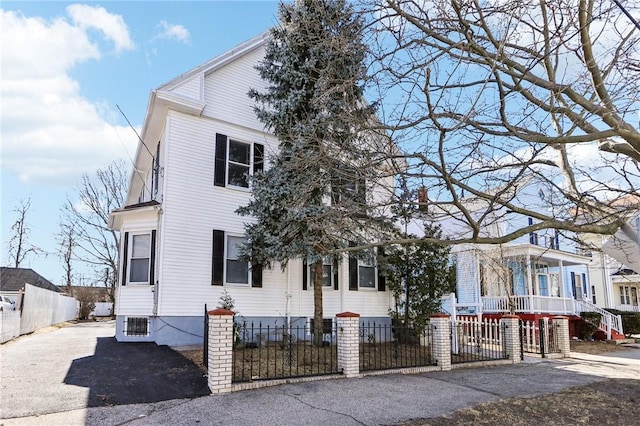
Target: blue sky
x,y
65,69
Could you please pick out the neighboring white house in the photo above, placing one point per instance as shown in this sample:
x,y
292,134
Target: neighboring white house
x,y
537,275
179,230
615,267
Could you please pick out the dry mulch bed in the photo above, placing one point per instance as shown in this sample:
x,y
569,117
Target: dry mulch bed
x,y
595,347
611,402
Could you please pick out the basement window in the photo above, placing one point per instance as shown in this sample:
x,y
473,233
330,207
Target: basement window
x,y
136,326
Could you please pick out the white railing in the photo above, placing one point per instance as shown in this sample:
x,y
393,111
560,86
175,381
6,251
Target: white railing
x,y
530,340
528,304
472,331
608,321
627,308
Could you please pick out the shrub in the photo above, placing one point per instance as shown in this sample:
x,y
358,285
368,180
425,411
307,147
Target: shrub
x,y
586,328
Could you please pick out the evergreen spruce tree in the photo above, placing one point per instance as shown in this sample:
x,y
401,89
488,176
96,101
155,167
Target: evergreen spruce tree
x,y
312,201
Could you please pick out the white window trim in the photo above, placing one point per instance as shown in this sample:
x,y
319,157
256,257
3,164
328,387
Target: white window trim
x,y
228,162
374,265
331,274
130,258
228,235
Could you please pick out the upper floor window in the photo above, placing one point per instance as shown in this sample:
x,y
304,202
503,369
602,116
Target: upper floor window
x,y
235,161
238,164
348,185
139,258
155,173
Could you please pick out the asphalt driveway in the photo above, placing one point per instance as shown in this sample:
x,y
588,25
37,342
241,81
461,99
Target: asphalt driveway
x,y
82,366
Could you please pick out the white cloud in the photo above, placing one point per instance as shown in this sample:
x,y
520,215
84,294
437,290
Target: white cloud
x,y
111,26
50,132
174,32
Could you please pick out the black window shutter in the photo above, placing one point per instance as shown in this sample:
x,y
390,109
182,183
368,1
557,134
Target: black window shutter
x,y
220,166
353,273
258,157
304,274
256,275
335,274
573,284
152,267
125,258
382,280
217,260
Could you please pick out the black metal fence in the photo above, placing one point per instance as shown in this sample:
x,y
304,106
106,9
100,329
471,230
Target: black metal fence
x,y
473,340
385,346
276,352
540,337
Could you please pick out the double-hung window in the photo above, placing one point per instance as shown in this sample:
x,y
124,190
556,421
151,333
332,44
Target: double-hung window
x,y
139,258
226,267
239,163
327,272
235,161
237,270
364,274
625,298
348,186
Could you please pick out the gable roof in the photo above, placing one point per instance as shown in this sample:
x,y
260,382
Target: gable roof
x,y
163,99
14,279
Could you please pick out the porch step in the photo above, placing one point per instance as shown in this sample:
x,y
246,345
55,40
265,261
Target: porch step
x,y
617,337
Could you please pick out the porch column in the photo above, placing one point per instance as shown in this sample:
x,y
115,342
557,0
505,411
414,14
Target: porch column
x,y
567,309
562,334
441,340
530,284
510,328
220,359
348,343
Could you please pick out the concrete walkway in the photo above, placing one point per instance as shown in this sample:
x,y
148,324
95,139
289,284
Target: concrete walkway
x,y
373,400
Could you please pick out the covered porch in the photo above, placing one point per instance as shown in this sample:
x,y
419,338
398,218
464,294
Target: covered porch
x,y
530,279
529,304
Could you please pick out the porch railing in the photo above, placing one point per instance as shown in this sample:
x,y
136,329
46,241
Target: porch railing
x,y
628,308
528,304
608,321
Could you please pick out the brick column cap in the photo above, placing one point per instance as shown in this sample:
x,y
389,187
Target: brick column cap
x,y
347,315
560,317
510,316
439,315
220,311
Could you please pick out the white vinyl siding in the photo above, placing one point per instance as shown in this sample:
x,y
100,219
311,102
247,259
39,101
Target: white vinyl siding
x,y
192,206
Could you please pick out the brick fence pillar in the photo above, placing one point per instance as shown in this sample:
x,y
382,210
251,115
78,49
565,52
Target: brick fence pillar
x,y
348,343
440,325
510,329
561,334
220,357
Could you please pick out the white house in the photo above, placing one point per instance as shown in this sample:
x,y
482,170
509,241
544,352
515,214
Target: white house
x,y
179,230
615,267
537,275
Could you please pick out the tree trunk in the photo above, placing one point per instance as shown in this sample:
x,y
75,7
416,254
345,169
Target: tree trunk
x,y
317,304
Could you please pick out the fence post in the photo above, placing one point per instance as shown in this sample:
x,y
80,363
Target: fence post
x,y
348,343
220,357
441,340
562,335
510,329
